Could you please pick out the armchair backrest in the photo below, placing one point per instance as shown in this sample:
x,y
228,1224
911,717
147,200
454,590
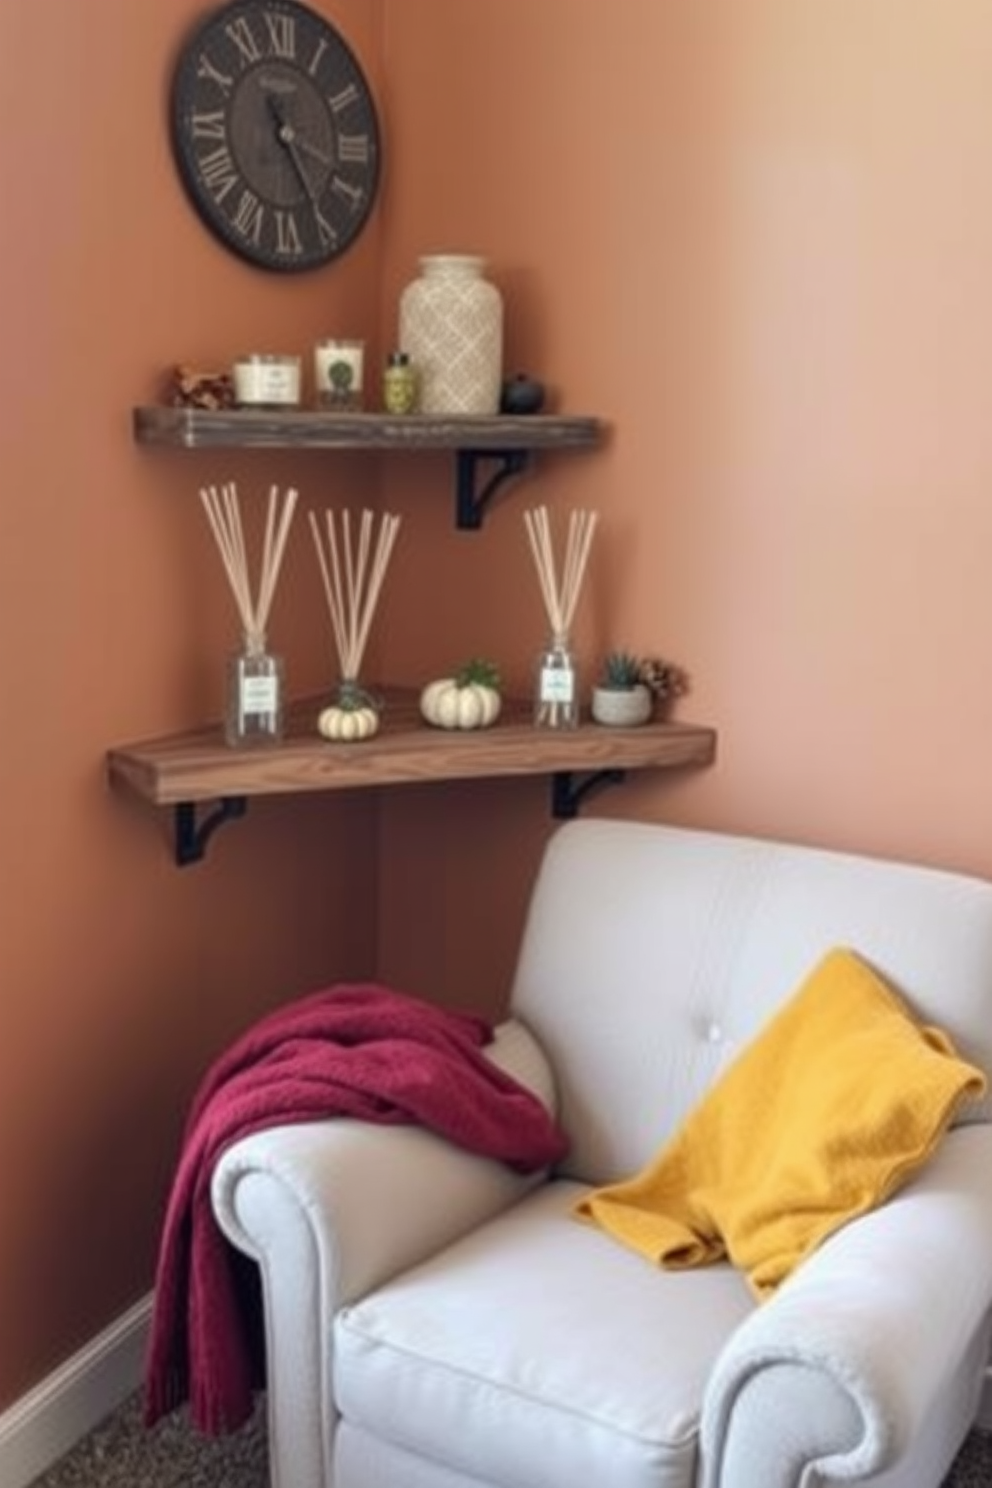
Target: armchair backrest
x,y
651,954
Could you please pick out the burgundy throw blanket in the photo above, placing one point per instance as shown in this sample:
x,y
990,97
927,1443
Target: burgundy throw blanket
x,y
351,1050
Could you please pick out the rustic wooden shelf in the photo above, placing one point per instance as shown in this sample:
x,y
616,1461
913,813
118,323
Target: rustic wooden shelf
x,y
504,441
252,428
185,770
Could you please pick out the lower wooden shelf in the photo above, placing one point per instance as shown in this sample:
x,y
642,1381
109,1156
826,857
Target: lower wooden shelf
x,y
183,770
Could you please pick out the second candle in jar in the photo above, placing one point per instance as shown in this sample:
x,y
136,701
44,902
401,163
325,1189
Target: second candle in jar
x,y
338,368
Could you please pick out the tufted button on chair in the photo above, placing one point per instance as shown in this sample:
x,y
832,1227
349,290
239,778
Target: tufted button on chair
x,y
434,1320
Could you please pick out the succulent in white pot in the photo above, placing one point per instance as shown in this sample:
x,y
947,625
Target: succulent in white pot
x,y
629,686
468,700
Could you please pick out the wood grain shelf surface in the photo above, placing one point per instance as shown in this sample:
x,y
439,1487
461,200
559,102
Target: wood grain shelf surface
x,y
194,428
198,766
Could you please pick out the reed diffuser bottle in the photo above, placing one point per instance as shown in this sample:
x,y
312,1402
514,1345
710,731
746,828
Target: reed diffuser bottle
x,y
556,682
254,710
253,705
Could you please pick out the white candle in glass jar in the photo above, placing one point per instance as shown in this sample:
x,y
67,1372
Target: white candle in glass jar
x,y
266,380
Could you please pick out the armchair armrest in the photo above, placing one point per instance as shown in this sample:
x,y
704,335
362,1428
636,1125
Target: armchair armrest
x,y
330,1210
841,1367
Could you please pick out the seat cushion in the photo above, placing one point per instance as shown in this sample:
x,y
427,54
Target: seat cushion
x,y
536,1353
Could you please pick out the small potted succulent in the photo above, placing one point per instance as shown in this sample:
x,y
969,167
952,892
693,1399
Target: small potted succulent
x,y
629,686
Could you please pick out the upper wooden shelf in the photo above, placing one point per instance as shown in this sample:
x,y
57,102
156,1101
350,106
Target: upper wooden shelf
x,y
185,769
503,438
252,428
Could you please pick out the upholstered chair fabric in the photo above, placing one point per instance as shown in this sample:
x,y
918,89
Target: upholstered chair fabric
x,y
435,1320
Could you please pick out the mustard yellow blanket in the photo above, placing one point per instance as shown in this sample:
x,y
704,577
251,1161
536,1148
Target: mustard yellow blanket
x,y
832,1106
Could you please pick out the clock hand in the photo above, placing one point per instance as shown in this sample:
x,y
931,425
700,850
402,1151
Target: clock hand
x,y
312,150
287,137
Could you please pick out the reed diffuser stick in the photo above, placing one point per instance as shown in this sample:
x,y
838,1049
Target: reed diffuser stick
x,y
224,515
560,596
352,575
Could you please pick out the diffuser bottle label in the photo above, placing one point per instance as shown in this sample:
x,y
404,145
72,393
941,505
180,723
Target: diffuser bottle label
x,y
557,684
259,694
254,707
556,687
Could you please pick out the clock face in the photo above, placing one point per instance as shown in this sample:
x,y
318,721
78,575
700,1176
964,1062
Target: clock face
x,y
275,132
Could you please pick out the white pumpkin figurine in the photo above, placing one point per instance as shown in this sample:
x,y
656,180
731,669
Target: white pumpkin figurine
x,y
468,700
353,716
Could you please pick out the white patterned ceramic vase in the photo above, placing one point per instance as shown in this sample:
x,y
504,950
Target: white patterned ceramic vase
x,y
451,326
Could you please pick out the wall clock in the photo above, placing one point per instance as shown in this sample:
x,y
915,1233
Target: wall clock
x,y
275,133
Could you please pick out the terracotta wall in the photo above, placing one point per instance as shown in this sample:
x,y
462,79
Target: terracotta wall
x,y
121,975
757,239
754,238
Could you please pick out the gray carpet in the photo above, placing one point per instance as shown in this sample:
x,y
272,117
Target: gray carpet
x,y
121,1454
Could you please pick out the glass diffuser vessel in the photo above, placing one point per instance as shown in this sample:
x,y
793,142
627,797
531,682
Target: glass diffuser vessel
x,y
254,709
556,686
556,681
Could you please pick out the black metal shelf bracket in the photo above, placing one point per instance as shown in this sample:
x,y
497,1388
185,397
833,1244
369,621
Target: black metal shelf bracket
x,y
568,792
192,837
472,498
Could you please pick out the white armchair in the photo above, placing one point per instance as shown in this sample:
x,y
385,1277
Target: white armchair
x,y
434,1320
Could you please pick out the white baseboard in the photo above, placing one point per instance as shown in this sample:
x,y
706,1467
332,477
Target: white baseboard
x,y
42,1426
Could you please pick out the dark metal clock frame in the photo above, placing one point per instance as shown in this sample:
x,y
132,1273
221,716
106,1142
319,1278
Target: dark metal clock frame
x,y
275,133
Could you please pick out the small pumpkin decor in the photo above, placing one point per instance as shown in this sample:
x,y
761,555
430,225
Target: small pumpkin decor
x,y
353,716
352,574
468,700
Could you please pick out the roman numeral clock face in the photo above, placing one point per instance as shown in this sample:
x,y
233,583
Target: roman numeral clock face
x,y
275,133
